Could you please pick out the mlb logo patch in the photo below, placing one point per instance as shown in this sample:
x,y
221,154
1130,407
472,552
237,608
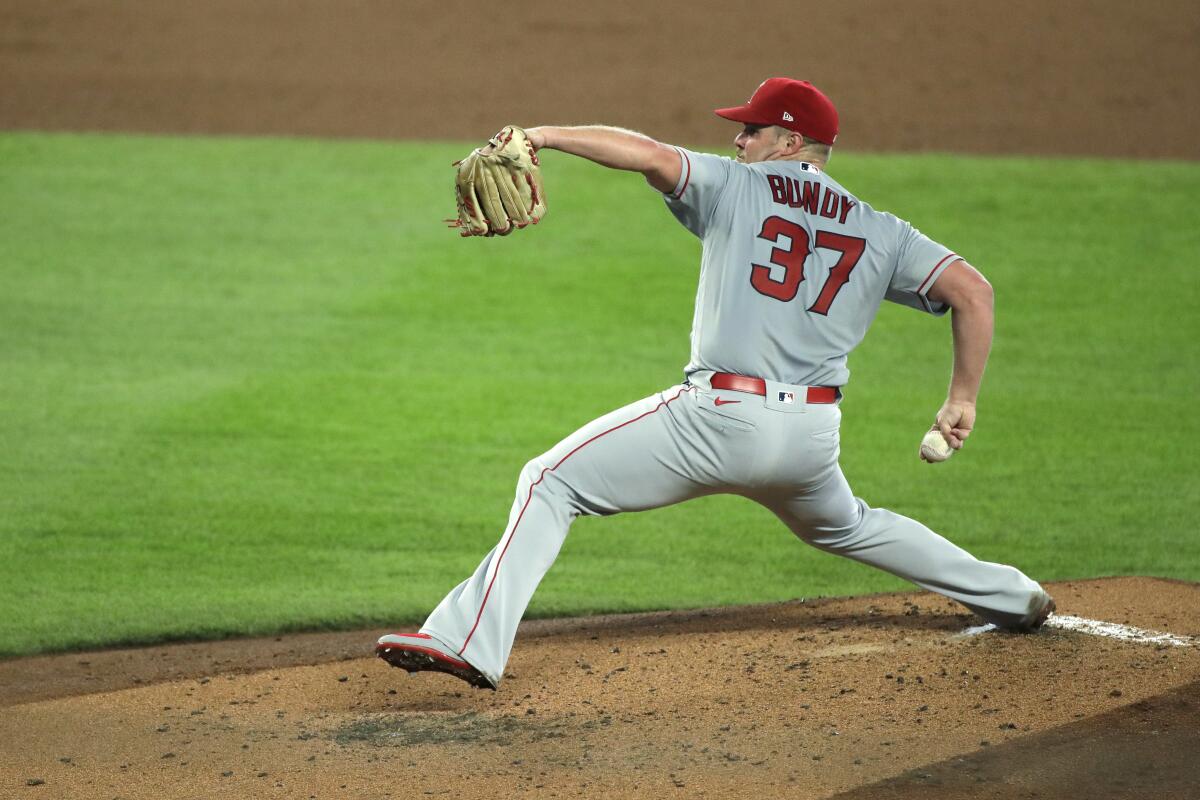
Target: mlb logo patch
x,y
787,397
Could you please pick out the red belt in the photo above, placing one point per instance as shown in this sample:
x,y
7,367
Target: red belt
x,y
743,383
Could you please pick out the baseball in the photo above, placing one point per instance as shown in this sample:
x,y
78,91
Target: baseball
x,y
934,448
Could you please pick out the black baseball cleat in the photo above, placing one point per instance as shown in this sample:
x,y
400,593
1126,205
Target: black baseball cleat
x,y
417,652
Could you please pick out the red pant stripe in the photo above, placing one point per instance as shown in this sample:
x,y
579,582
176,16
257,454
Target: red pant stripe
x,y
520,516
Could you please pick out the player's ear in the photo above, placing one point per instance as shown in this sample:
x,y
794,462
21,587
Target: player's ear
x,y
794,143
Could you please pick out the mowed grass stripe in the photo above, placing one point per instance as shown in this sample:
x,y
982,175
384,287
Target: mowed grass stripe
x,y
255,385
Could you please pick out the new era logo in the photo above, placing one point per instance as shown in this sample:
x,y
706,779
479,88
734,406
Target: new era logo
x,y
788,117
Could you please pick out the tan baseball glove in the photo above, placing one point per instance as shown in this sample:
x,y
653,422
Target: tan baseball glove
x,y
499,186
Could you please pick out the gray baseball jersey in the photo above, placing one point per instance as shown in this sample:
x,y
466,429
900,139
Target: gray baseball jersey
x,y
794,268
793,272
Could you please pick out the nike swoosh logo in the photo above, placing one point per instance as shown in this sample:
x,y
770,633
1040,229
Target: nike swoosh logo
x,y
722,401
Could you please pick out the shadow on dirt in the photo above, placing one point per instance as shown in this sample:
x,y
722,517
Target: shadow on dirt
x,y
820,614
1144,750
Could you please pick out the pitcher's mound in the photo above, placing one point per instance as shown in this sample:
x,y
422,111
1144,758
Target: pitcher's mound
x,y
877,697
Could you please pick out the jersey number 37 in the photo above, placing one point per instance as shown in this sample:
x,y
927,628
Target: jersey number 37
x,y
793,257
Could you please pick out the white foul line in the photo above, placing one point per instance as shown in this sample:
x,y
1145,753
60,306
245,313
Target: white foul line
x,y
1097,627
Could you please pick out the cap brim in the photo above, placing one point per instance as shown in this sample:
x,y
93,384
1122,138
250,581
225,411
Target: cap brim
x,y
743,114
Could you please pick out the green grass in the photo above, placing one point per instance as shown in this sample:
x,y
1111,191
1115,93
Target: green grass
x,y
254,385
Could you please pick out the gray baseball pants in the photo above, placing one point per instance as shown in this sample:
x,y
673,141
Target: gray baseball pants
x,y
680,444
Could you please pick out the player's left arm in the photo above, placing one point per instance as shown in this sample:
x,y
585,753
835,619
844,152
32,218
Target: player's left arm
x,y
616,148
969,296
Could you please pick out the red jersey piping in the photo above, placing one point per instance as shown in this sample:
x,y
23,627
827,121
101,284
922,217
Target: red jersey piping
x,y
932,272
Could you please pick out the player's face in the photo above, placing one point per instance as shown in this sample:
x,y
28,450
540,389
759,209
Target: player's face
x,y
756,143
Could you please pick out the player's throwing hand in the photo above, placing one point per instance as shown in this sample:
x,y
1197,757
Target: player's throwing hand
x,y
955,420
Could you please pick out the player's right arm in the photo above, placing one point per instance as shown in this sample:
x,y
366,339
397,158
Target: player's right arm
x,y
969,296
615,148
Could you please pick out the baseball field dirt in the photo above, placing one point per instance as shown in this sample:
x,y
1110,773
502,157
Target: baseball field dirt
x,y
1095,77
890,696
876,697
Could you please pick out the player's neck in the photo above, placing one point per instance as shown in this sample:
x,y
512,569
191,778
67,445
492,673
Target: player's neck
x,y
816,160
806,156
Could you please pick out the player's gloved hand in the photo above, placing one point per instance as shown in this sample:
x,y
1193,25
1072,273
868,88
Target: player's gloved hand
x,y
955,421
498,187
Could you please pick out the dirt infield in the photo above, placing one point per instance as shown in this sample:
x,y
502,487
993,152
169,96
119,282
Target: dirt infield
x,y
1069,77
878,697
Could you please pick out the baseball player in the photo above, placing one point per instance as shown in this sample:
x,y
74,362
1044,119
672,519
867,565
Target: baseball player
x,y
793,271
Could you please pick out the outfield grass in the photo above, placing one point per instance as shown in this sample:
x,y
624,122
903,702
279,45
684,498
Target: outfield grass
x,y
254,385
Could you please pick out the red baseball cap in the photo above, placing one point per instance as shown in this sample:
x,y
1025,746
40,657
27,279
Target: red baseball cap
x,y
796,105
